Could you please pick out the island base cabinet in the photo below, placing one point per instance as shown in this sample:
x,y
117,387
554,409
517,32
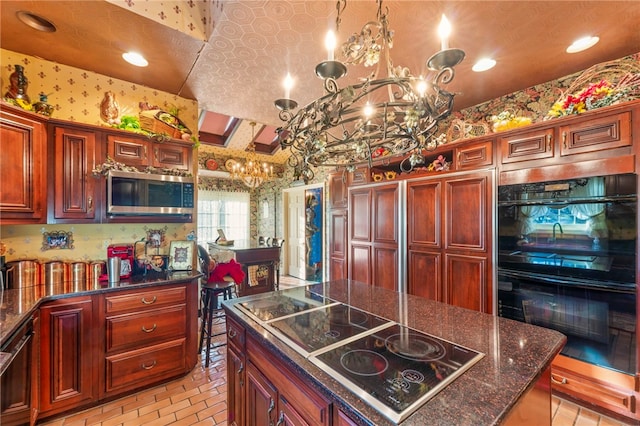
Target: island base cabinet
x,y
236,385
534,407
276,395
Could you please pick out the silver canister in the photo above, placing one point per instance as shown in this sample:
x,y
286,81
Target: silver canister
x,y
23,273
113,270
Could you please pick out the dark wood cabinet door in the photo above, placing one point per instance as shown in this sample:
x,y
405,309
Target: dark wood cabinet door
x,y
384,226
360,214
524,146
466,212
467,282
171,156
596,134
128,150
236,377
23,143
338,244
338,190
424,204
74,194
287,414
474,156
262,398
425,274
67,374
385,267
360,263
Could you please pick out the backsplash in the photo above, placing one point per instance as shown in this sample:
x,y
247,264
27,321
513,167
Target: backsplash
x,y
89,241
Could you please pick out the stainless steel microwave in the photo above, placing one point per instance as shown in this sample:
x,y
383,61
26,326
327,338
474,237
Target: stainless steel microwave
x,y
130,193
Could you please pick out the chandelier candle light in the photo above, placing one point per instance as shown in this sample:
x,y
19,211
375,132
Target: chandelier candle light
x,y
252,173
375,120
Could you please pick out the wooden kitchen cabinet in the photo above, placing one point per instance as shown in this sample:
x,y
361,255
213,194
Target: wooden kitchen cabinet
x,y
67,348
373,225
338,257
527,145
74,192
337,186
147,337
142,152
597,134
276,395
236,373
23,143
474,156
449,228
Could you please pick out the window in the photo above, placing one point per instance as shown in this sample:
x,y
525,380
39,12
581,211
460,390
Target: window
x,y
228,211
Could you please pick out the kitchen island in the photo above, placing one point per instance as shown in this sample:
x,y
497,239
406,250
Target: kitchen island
x,y
284,366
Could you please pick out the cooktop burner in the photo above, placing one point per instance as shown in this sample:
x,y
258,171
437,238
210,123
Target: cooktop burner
x,y
319,328
396,369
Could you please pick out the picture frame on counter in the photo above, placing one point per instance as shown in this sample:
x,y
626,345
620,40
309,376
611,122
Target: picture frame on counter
x,y
181,254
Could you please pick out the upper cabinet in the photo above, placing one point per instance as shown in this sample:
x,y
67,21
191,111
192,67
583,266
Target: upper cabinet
x,y
23,144
606,132
142,152
74,196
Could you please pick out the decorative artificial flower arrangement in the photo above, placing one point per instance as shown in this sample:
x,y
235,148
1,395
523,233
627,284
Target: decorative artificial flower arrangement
x,y
110,164
596,95
507,120
440,164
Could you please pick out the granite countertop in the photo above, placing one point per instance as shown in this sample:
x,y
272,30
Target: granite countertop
x,y
16,305
516,354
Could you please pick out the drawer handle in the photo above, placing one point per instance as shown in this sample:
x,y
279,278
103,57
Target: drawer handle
x,y
240,370
149,330
280,419
149,367
564,380
149,302
548,143
232,334
272,405
564,139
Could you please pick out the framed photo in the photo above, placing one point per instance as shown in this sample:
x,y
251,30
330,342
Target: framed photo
x,y
181,255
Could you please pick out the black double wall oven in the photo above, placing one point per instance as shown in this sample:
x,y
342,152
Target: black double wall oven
x,y
567,261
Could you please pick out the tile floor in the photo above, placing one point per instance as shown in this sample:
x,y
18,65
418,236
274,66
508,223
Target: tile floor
x,y
200,397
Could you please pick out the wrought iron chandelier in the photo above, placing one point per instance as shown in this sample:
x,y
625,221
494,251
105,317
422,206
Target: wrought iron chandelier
x,y
252,173
375,120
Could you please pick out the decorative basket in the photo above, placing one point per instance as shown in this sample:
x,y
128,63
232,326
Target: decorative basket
x,y
150,121
461,130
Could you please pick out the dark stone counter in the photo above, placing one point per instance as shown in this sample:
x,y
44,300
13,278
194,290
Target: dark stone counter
x,y
516,356
18,304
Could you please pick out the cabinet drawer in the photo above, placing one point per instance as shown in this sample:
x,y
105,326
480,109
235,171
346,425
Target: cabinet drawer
x,y
612,131
145,366
473,156
534,145
149,299
138,329
620,400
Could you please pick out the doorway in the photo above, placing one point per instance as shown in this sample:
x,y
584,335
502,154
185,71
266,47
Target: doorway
x,y
304,230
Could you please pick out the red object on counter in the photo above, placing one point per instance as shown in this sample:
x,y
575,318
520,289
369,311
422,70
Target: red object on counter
x,y
125,253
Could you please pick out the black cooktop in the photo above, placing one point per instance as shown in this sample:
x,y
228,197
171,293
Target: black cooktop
x,y
393,368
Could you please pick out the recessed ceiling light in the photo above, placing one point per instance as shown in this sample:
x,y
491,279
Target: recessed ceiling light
x,y
484,64
583,44
135,58
36,22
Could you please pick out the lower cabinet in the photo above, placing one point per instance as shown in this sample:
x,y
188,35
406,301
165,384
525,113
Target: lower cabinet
x,y
266,392
67,351
595,385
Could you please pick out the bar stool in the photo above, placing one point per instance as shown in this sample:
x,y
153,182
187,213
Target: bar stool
x,y
211,310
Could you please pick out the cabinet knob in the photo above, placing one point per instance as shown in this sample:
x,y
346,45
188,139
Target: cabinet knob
x,y
149,302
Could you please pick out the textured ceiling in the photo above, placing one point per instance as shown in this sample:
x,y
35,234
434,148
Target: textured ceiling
x,y
239,71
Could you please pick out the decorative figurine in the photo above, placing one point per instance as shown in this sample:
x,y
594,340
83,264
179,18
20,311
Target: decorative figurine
x,y
42,107
109,110
18,85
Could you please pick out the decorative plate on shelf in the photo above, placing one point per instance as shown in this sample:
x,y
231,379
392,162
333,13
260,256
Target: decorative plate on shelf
x,y
211,164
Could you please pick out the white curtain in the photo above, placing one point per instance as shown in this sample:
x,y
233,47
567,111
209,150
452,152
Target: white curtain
x,y
592,213
528,214
228,211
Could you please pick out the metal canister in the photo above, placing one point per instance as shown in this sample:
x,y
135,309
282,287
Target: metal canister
x,y
78,275
23,273
54,275
96,270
